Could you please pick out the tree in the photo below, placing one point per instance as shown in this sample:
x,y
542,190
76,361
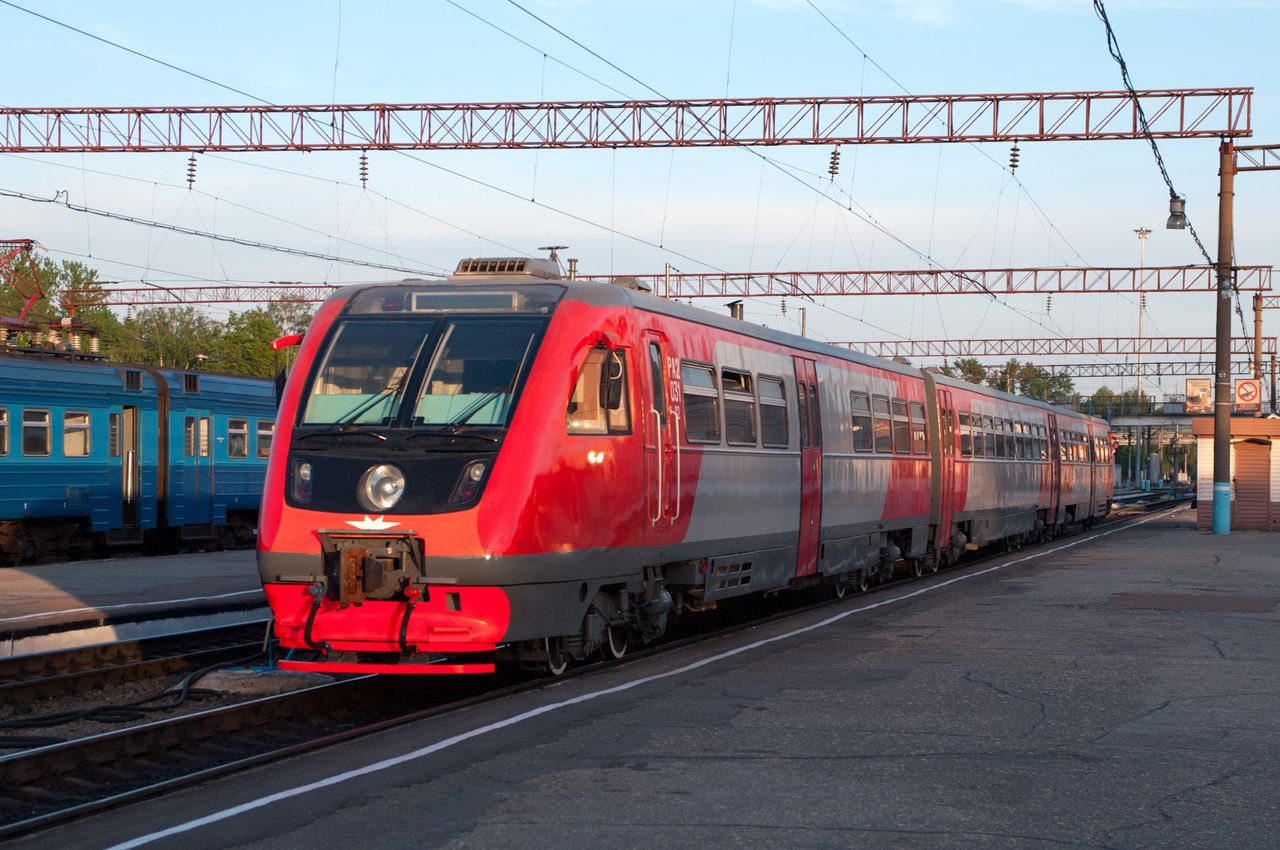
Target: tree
x,y
173,337
966,369
245,345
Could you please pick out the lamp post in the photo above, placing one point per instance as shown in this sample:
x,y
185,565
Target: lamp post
x,y
1143,233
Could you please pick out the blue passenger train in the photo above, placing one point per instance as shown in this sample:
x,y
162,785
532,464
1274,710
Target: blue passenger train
x,y
96,454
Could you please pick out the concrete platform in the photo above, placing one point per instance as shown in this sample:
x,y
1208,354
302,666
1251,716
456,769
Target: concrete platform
x,y
1118,690
54,606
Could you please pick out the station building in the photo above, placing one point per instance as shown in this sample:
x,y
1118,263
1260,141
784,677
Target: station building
x,y
1255,472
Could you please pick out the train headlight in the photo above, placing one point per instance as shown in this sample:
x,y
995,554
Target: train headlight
x,y
380,487
301,481
469,483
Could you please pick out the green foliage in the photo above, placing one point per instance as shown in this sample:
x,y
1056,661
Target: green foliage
x,y
1027,379
966,369
173,337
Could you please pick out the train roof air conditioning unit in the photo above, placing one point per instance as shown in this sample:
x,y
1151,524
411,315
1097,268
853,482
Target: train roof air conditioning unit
x,y
474,268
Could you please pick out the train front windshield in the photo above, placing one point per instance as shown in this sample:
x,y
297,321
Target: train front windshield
x,y
422,371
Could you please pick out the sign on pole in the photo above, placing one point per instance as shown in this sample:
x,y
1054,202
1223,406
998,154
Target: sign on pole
x,y
1248,395
1199,395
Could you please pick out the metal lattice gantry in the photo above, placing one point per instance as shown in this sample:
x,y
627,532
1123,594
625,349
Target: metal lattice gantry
x,y
947,281
1146,369
1053,347
752,284
1043,116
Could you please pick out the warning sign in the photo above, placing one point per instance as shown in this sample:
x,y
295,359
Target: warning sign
x,y
1248,395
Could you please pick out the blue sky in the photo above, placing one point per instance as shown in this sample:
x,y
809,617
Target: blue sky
x,y
717,207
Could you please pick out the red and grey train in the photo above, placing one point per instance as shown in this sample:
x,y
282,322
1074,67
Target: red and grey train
x,y
508,465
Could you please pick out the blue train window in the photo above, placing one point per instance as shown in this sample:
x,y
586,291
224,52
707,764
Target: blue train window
x,y
4,431
237,438
189,436
75,433
113,435
204,436
266,429
35,433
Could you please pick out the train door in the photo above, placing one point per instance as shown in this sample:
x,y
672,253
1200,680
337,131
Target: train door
x,y
810,466
661,434
1093,468
129,471
198,451
946,456
1055,474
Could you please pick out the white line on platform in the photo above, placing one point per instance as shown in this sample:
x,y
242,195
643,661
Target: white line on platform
x,y
385,764
215,597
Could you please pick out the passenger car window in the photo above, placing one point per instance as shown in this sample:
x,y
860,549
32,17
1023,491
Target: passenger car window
x,y
966,436
600,403
113,435
882,423
35,433
75,433
860,404
901,427
237,438
701,404
266,430
919,438
773,412
739,408
4,431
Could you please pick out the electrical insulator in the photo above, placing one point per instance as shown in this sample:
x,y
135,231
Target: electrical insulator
x,y
364,169
1048,304
191,171
1142,301
1013,157
834,168
782,305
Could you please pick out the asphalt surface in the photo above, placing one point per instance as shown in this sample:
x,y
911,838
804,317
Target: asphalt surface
x,y
1120,692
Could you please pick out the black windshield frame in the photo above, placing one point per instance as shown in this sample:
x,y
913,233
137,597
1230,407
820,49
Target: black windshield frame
x,y
435,330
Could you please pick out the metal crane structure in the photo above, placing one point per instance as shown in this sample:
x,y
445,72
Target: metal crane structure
x,y
1020,117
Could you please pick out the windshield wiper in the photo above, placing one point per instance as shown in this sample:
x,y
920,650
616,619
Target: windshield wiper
x,y
348,419
341,433
472,409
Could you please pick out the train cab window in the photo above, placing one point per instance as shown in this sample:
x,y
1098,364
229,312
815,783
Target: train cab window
x,y
773,412
901,427
739,408
659,385
919,440
882,424
189,436
600,403
75,433
966,436
113,435
35,433
266,430
860,403
4,431
237,438
701,403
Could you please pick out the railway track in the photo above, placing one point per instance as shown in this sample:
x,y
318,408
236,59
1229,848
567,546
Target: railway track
x,y
82,669
53,784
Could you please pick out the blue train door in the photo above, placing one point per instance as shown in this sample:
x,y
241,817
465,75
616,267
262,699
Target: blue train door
x,y
197,490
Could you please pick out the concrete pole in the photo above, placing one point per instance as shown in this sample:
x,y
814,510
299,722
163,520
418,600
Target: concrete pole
x,y
1222,354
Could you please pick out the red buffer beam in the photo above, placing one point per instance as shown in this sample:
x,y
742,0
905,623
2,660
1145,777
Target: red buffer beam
x,y
1043,116
1038,347
948,282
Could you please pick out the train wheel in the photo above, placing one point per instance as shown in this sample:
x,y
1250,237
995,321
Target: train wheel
x,y
615,642
933,562
864,581
917,567
557,661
